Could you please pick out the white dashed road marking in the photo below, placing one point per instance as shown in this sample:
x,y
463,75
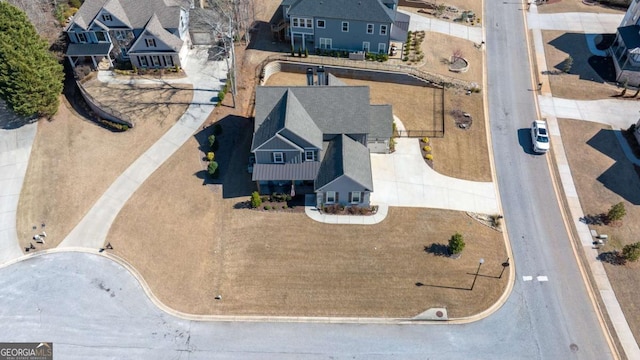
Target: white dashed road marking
x,y
527,278
542,278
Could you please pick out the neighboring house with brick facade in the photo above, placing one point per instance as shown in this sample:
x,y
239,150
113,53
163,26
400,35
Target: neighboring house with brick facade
x,y
149,33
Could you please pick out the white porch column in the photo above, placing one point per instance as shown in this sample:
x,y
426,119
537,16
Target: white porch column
x,y
93,59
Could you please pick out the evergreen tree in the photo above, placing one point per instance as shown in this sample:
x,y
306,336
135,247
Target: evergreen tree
x,y
30,76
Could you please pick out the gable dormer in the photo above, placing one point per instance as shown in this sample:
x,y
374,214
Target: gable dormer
x,y
155,37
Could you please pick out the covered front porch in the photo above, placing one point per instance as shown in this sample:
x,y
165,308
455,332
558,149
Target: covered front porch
x,y
98,53
289,178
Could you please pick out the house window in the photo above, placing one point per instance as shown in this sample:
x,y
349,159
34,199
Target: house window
x,y
369,28
143,61
155,60
325,43
356,197
366,47
383,29
345,26
295,22
320,24
309,23
330,197
278,157
150,42
107,17
168,59
309,155
382,48
82,37
101,36
121,34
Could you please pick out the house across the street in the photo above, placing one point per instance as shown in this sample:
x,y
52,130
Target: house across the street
x,y
625,50
149,33
317,139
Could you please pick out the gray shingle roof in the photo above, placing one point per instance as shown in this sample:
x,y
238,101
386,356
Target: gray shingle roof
x,y
88,49
381,122
361,10
154,28
134,13
345,157
287,113
334,109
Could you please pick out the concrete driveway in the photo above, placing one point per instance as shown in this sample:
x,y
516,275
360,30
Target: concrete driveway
x,y
424,23
404,179
15,149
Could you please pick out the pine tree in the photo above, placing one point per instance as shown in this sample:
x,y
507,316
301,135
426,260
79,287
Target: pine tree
x,y
30,76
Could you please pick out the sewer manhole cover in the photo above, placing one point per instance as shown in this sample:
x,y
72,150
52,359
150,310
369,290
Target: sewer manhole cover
x,y
439,314
573,347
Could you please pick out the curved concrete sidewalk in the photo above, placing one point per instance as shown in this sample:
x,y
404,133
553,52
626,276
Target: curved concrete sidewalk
x,y
425,23
205,76
15,149
577,22
404,179
613,112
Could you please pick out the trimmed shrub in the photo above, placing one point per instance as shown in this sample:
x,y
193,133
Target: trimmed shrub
x,y
211,155
267,207
284,207
456,243
256,200
425,140
212,168
429,157
427,148
212,140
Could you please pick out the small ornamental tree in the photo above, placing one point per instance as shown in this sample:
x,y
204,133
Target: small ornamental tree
x,y
456,243
211,156
256,201
568,63
212,140
631,252
617,212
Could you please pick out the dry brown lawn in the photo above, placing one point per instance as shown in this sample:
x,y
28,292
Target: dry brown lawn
x,y
73,161
461,153
582,83
190,245
603,177
560,6
462,5
438,48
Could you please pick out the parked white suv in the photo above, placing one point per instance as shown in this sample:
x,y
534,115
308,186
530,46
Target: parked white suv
x,y
540,136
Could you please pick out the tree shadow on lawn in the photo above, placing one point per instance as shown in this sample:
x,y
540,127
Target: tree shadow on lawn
x,y
621,177
231,154
437,249
612,257
10,120
585,64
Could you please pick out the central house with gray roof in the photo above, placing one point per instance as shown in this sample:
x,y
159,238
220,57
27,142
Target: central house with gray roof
x,y
352,25
317,139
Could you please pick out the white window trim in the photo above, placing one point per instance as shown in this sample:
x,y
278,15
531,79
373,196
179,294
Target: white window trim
x,y
366,46
305,23
82,39
373,29
332,195
277,154
386,30
168,59
121,34
107,17
153,62
142,60
382,48
324,24
354,196
328,43
150,42
343,25
106,36
313,155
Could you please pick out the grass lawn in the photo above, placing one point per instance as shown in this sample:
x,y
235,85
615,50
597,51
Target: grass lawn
x,y
73,161
603,177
